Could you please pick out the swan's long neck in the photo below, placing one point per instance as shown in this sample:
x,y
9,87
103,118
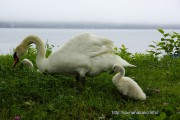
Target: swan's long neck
x,y
121,72
40,59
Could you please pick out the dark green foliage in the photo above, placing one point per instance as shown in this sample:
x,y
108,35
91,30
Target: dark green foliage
x,y
170,44
48,49
123,52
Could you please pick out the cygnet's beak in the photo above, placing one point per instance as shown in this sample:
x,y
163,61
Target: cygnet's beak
x,y
16,59
111,72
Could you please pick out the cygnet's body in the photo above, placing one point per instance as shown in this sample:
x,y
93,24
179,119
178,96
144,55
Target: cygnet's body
x,y
126,85
27,63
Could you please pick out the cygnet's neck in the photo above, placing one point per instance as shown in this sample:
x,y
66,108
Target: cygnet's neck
x,y
121,72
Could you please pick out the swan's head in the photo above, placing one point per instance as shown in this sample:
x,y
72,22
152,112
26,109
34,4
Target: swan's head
x,y
18,53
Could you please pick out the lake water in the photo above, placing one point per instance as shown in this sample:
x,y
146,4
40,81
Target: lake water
x,y
136,40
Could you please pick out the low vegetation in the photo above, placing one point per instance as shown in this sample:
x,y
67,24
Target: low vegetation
x,y
169,44
35,96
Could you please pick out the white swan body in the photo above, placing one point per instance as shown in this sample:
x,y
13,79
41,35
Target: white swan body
x,y
80,56
126,85
104,62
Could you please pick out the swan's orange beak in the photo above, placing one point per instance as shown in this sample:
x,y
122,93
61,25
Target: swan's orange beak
x,y
16,59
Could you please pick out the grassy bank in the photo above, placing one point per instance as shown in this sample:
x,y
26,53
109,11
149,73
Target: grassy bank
x,y
32,95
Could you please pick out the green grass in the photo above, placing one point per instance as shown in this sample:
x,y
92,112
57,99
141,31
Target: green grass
x,y
35,96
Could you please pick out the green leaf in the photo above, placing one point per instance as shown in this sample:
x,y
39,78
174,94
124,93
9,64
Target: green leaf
x,y
152,46
160,49
155,42
173,36
164,47
123,46
175,117
115,48
162,39
161,30
171,41
152,52
162,116
157,53
178,45
165,35
175,33
161,43
178,35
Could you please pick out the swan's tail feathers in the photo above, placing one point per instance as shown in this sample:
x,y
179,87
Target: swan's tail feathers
x,y
142,96
130,65
125,63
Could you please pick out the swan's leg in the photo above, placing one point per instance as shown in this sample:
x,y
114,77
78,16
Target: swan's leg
x,y
77,79
83,81
80,82
82,76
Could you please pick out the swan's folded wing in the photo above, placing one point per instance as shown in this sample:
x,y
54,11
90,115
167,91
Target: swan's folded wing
x,y
100,51
105,46
106,42
89,45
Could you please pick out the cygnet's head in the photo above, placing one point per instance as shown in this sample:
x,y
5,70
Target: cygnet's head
x,y
27,63
118,68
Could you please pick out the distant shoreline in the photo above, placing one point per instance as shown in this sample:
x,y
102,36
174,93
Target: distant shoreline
x,y
64,25
166,28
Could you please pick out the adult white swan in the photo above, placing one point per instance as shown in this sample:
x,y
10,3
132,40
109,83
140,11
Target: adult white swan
x,y
83,55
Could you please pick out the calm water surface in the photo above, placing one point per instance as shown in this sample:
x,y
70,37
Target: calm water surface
x,y
136,40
